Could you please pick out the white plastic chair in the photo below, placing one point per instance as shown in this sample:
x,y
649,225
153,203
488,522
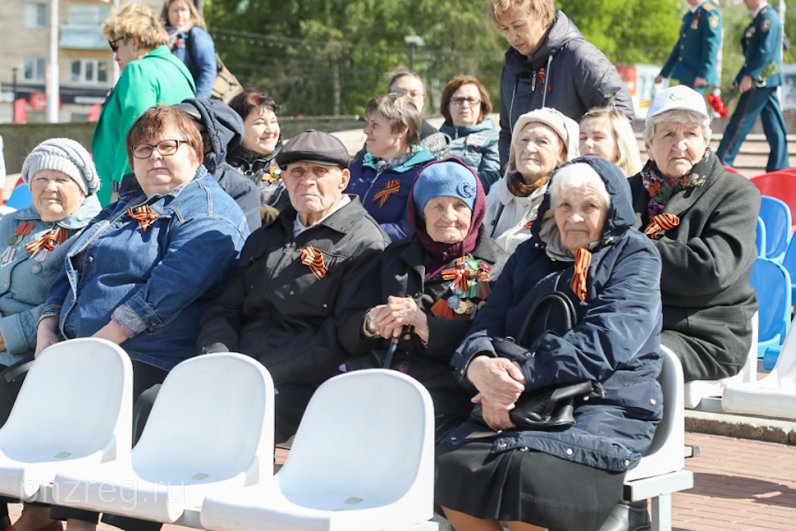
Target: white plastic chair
x,y
74,411
211,429
772,396
661,472
696,390
362,459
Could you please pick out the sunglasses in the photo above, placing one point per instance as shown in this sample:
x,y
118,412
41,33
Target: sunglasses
x,y
112,44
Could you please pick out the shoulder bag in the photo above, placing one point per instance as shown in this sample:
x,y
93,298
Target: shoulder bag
x,y
552,406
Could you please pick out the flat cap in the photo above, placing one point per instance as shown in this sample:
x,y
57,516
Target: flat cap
x,y
313,146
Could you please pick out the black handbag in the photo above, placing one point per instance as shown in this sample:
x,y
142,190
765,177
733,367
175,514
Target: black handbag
x,y
552,406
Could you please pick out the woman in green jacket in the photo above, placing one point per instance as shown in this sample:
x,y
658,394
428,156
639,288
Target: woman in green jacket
x,y
150,75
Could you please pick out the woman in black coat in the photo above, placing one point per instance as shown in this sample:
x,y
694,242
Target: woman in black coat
x,y
425,290
701,219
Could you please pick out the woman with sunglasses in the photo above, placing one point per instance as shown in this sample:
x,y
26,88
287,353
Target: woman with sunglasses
x,y
474,140
150,74
144,270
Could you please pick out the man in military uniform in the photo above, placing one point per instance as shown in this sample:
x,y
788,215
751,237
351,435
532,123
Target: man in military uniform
x,y
694,59
757,82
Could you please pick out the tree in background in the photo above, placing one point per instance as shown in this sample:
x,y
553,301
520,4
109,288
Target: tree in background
x,y
328,57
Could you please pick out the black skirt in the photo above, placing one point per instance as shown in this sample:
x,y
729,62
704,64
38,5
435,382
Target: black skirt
x,y
524,486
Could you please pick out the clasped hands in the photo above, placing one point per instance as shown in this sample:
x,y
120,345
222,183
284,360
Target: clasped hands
x,y
389,320
500,383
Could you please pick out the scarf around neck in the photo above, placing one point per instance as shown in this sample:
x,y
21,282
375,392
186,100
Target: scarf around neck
x,y
661,188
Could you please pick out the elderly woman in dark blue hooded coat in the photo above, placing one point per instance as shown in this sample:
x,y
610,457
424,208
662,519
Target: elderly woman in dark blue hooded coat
x,y
582,245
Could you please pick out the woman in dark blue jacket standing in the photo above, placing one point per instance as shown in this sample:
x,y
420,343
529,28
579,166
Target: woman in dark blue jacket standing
x,y
190,42
584,247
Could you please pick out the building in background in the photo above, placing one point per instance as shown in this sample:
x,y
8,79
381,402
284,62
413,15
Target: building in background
x,y
84,58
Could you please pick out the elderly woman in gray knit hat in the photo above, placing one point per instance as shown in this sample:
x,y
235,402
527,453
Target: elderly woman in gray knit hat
x,y
33,240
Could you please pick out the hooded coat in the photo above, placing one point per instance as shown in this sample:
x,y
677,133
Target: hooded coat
x,y
575,75
616,340
224,128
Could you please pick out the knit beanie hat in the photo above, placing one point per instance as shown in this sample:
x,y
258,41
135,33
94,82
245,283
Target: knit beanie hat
x,y
566,128
65,155
444,178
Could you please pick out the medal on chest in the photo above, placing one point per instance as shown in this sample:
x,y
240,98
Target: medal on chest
x,y
469,288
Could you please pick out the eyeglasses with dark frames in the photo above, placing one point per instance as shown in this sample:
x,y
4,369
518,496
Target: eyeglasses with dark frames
x,y
166,148
112,43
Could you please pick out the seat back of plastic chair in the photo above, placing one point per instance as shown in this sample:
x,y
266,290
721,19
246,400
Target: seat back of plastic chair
x,y
366,440
789,260
666,451
772,288
20,197
760,237
77,396
777,220
214,415
781,185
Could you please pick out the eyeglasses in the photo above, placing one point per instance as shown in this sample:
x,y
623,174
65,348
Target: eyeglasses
x,y
112,44
460,100
166,148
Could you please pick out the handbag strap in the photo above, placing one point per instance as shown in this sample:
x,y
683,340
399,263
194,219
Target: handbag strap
x,y
557,298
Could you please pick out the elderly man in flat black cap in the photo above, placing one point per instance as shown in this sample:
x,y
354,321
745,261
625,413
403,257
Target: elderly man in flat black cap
x,y
282,304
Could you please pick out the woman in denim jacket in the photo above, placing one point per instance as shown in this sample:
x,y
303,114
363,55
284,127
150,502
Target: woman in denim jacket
x,y
143,271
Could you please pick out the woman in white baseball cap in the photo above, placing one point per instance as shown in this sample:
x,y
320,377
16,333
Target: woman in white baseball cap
x,y
702,220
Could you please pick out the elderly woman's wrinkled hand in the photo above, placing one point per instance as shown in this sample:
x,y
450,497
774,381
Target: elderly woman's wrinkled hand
x,y
500,383
399,312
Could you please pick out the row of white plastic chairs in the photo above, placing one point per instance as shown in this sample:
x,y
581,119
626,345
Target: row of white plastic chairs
x,y
362,458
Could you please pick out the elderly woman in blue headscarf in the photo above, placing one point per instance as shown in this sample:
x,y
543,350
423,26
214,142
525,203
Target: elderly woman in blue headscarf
x,y
425,290
585,251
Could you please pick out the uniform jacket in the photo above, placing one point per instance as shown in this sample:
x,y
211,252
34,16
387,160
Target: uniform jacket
x,y
762,49
400,272
197,50
159,77
477,146
616,340
155,282
276,310
508,216
577,76
389,209
25,278
707,260
225,131
696,52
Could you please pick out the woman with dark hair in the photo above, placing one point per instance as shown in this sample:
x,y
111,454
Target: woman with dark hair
x,y
465,105
383,175
433,282
256,157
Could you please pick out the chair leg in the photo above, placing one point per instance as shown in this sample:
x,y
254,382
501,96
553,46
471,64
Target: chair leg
x,y
662,512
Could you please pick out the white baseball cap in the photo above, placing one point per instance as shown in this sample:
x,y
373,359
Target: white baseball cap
x,y
678,98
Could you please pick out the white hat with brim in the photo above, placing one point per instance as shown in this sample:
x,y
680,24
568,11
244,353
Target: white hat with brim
x,y
679,98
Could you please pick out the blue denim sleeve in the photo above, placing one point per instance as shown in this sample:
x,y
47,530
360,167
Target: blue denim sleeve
x,y
200,252
203,57
55,297
19,330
